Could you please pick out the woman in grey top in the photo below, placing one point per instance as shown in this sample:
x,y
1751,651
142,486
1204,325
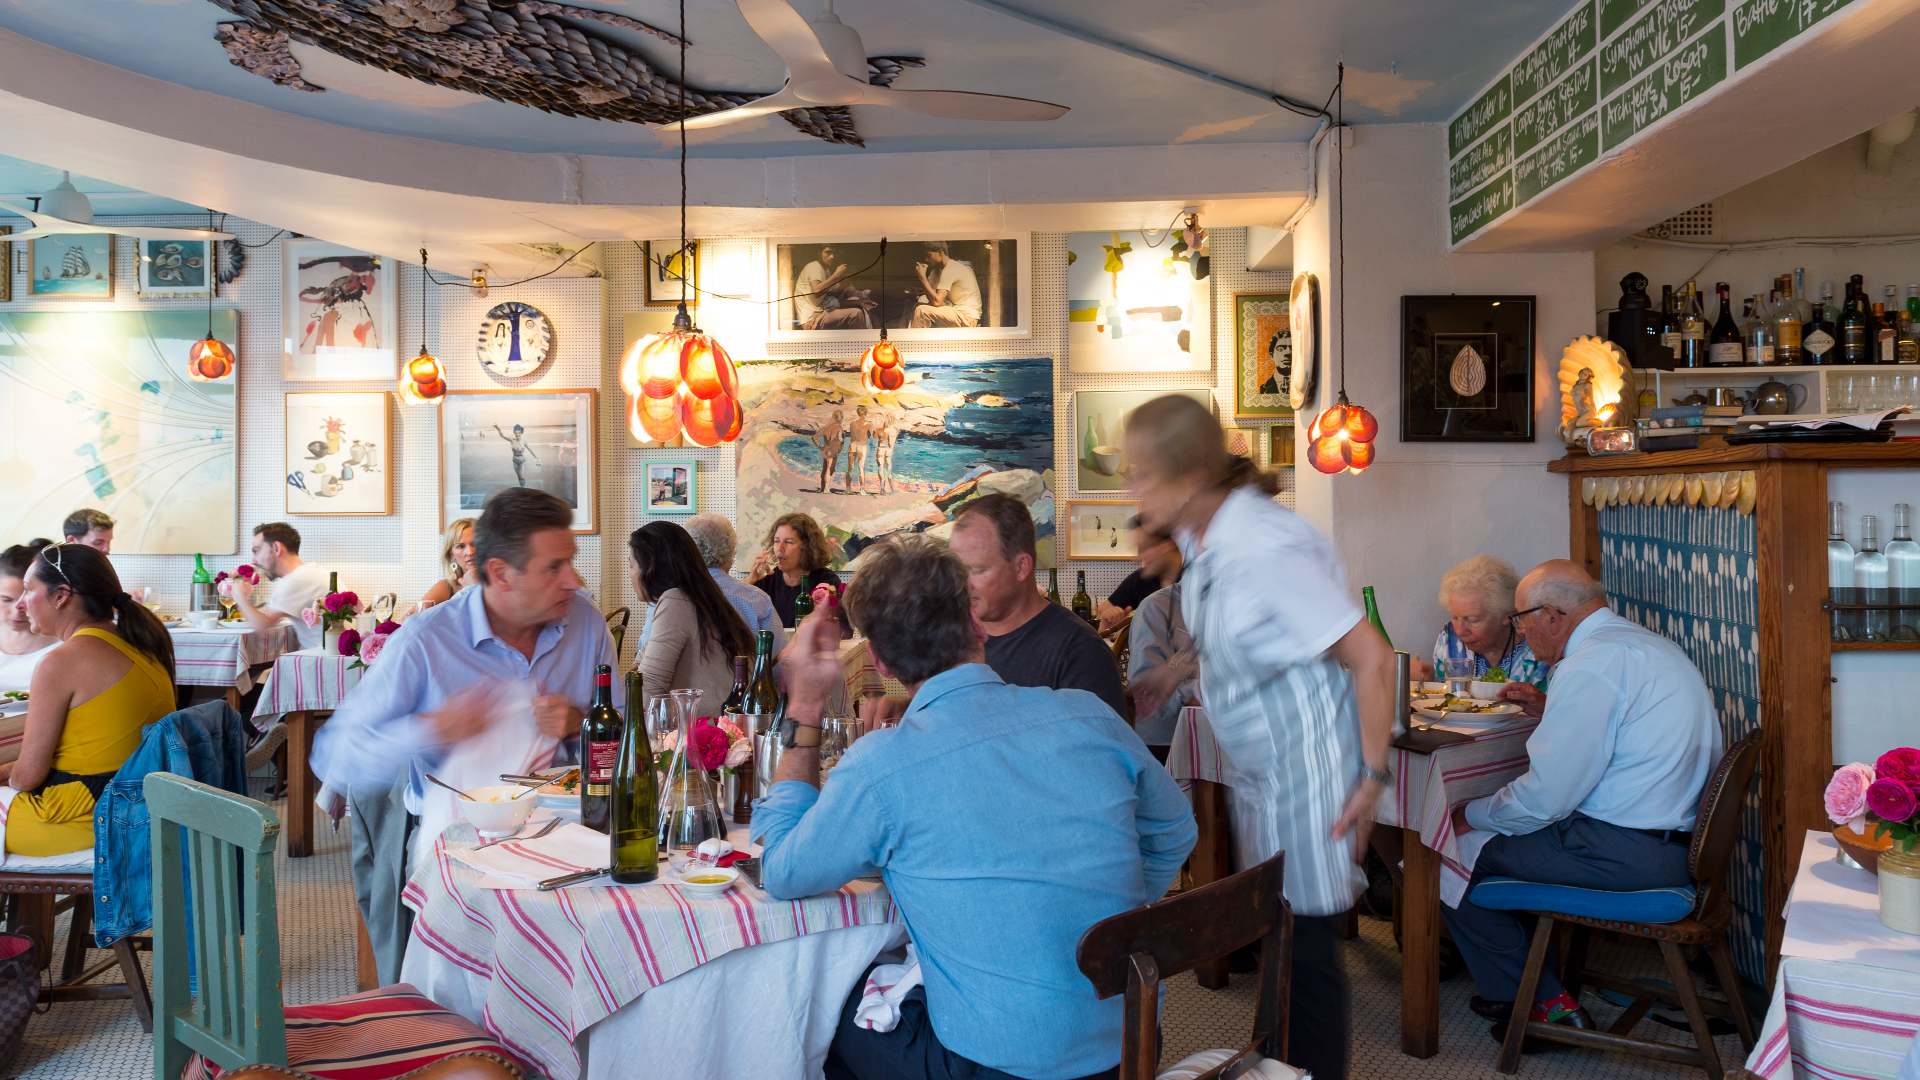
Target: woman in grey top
x,y
1297,687
693,631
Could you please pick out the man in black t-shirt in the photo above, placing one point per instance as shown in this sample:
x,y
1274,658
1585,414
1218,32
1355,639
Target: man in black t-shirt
x,y
1030,641
1160,567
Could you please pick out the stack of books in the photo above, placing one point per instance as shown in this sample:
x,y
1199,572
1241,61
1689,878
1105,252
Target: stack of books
x,y
1682,427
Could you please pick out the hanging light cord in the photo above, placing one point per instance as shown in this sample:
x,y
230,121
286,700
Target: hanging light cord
x,y
682,320
882,260
213,273
423,302
1340,214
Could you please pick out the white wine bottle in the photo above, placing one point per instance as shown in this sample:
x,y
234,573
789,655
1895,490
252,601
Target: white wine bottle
x,y
633,833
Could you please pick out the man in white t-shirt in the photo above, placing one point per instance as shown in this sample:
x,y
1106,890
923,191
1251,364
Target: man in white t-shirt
x,y
296,583
950,292
817,292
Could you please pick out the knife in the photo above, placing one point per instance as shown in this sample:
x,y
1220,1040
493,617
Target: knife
x,y
565,880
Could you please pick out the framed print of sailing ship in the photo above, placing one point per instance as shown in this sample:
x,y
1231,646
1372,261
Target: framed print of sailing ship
x,y
338,319
76,266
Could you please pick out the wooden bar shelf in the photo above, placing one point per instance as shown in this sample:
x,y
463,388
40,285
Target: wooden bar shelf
x,y
1876,646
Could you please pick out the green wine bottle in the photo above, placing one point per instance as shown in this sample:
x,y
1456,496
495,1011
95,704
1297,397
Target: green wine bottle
x,y
1373,614
802,607
1053,585
633,831
1082,603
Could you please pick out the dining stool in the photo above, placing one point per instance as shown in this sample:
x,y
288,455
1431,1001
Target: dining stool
x,y
34,900
1135,951
1695,914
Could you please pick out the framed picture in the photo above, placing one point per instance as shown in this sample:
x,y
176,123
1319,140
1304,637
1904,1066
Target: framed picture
x,y
337,314
1099,420
669,270
6,268
670,488
494,439
1262,355
174,269
72,266
1242,442
928,288
1134,307
1280,445
1098,530
338,453
1466,368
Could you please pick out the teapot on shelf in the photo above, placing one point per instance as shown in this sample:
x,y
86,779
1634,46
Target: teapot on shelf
x,y
1775,398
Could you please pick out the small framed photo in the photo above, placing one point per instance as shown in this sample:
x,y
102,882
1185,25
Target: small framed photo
x,y
670,487
1101,530
174,269
71,266
1466,368
669,272
1280,445
495,439
1242,442
338,448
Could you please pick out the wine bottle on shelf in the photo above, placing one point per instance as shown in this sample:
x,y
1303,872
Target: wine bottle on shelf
x,y
1723,343
1856,331
1870,580
1885,334
634,808
1758,332
1669,323
1818,338
1787,323
1082,603
1053,585
1373,615
1906,347
1839,570
1903,574
1693,329
599,747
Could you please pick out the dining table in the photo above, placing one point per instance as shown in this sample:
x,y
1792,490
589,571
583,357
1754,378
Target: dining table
x,y
301,690
226,655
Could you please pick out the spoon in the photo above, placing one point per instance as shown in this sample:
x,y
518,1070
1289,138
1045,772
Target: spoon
x,y
450,787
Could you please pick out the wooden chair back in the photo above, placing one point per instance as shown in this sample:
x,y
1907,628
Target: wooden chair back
x,y
1717,826
1135,951
617,626
222,845
1120,641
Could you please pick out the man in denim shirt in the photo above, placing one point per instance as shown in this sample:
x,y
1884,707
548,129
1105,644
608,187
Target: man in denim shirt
x,y
1006,820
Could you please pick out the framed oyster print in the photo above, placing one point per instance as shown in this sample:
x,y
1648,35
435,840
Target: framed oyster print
x,y
1466,368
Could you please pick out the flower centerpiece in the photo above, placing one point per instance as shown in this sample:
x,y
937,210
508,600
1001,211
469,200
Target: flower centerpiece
x,y
1886,797
334,613
366,650
245,578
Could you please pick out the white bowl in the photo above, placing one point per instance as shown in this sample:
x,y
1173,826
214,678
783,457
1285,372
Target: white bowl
x,y
1484,690
694,879
203,620
493,809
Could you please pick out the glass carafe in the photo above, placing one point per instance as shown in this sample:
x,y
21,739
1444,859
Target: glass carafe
x,y
690,810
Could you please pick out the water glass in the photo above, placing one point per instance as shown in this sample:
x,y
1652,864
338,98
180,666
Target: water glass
x,y
1459,675
1843,394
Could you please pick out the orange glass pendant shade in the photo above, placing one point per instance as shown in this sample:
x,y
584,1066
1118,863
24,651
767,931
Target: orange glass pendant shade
x,y
209,360
425,380
681,383
882,367
1341,439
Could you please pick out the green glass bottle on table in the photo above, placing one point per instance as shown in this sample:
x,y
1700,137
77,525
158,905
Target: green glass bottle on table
x,y
1373,614
200,593
1082,603
599,746
634,819
802,607
763,693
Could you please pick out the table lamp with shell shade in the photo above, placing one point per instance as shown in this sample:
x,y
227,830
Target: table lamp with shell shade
x,y
1594,380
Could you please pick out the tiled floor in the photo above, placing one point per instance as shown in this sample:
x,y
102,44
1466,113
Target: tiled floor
x,y
102,1041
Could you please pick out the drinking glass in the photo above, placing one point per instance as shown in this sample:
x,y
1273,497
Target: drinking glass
x,y
1459,675
1843,394
837,735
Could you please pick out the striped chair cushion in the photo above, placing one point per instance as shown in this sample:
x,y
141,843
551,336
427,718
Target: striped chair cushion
x,y
377,1035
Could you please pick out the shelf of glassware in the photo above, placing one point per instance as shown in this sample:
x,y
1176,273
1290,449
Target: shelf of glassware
x,y
1830,388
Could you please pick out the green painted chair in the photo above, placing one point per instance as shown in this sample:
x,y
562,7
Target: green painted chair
x,y
224,845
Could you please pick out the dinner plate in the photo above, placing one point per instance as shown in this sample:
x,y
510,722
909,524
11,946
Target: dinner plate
x,y
555,798
1497,713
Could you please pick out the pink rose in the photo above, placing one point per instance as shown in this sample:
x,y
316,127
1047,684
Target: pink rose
x,y
1846,796
370,648
310,617
219,579
710,746
1902,764
739,753
1891,801
349,642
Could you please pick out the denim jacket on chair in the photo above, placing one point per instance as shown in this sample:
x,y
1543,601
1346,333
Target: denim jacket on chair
x,y
207,743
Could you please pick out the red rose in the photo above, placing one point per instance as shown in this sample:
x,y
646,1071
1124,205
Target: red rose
x,y
387,627
349,642
709,749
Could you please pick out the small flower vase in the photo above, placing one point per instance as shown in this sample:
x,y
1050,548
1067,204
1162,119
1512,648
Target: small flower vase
x,y
330,640
1900,890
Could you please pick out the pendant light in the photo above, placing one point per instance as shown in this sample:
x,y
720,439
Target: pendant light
x,y
1341,438
210,359
425,380
882,368
681,382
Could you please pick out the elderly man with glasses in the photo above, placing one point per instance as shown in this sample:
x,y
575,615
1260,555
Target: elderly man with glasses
x,y
1612,787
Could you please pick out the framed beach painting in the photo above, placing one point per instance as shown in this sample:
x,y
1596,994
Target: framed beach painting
x,y
337,314
72,266
670,271
1099,421
670,487
1133,306
174,269
495,439
926,288
1262,355
1098,530
338,451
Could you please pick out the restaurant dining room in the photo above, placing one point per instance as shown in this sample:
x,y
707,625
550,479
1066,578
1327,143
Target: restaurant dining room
x,y
1298,526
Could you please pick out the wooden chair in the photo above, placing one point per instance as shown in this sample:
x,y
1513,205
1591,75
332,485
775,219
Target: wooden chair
x,y
1135,951
617,626
33,902
1697,915
224,844
1119,642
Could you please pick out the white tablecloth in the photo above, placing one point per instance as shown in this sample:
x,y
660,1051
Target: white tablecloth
x,y
225,656
1846,1001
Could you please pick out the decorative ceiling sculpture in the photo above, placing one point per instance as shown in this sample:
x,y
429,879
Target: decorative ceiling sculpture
x,y
524,52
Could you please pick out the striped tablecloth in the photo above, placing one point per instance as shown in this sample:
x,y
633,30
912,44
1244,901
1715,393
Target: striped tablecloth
x,y
224,656
557,963
1846,1001
1193,754
311,680
1426,788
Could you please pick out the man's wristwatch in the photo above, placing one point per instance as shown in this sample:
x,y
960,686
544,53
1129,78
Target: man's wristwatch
x,y
793,733
1379,776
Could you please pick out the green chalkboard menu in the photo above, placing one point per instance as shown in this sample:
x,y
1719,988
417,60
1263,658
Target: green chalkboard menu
x,y
1761,26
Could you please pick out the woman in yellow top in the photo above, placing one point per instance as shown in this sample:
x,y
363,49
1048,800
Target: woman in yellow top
x,y
110,676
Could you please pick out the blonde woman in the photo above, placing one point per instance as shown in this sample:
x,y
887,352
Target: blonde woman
x,y
456,555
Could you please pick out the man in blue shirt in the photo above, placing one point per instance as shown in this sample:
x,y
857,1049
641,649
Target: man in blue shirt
x,y
1613,784
714,537
1005,820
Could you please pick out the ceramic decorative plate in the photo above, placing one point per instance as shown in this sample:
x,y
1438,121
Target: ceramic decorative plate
x,y
1303,305
515,339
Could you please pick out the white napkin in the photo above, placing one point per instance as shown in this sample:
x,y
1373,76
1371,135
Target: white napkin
x,y
887,986
523,864
512,743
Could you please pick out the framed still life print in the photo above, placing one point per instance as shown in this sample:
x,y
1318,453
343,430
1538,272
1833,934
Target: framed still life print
x,y
1466,368
1099,422
1262,355
337,314
338,453
1098,530
495,439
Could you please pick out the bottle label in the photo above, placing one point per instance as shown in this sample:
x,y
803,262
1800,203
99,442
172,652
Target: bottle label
x,y
1694,331
1726,353
1788,335
1819,343
1886,347
600,759
1763,354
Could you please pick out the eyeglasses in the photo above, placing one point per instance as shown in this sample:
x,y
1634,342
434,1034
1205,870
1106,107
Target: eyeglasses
x,y
51,553
1514,619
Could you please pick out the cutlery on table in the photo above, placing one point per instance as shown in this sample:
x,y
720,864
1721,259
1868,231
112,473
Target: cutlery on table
x,y
565,880
551,824
450,787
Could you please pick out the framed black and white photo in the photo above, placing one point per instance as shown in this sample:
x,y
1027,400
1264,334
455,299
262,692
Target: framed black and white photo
x,y
1466,368
928,288
494,439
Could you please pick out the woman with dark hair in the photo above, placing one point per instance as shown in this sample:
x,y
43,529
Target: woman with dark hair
x,y
794,562
110,676
694,632
21,650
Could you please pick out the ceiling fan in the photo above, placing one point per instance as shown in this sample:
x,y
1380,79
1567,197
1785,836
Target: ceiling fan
x,y
827,65
65,210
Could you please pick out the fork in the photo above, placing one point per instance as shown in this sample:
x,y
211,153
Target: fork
x,y
552,824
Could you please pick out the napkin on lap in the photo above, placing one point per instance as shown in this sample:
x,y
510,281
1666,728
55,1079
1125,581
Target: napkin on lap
x,y
887,985
523,864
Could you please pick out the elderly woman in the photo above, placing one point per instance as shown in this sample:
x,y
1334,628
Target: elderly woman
x,y
795,562
1478,596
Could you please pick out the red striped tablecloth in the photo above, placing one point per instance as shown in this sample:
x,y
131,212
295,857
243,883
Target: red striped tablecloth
x,y
557,963
224,656
306,681
1193,754
1426,788
1846,1001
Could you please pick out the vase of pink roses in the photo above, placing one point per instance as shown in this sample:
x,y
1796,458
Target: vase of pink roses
x,y
334,614
1883,800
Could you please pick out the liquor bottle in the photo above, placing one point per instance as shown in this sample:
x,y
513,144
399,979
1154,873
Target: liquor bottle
x,y
1870,578
1373,614
1758,333
1723,343
1669,323
1839,570
1693,329
1903,573
633,831
1885,336
599,747
1818,336
1906,347
1053,585
1082,603
1787,322
201,591
1856,331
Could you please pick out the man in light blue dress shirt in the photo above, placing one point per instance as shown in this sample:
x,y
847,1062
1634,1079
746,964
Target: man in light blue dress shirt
x,y
1005,820
1609,799
713,535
